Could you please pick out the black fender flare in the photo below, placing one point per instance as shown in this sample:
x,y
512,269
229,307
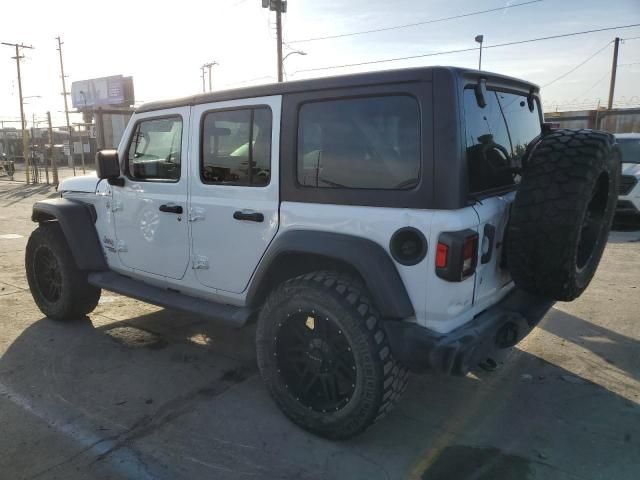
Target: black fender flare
x,y
367,257
77,222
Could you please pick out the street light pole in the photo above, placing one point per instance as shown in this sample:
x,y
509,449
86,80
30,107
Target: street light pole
x,y
480,39
295,52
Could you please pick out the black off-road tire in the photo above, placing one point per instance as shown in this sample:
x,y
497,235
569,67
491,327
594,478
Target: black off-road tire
x,y
342,301
562,212
48,260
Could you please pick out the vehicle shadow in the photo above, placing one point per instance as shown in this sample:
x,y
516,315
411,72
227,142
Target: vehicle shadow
x,y
167,395
15,194
614,348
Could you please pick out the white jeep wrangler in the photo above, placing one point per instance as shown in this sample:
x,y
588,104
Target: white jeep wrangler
x,y
375,223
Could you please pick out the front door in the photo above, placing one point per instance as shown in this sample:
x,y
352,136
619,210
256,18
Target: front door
x,y
150,210
234,189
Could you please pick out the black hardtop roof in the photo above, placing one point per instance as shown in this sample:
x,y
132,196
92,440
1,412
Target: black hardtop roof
x,y
325,83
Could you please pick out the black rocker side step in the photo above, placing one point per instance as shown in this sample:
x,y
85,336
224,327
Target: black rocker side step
x,y
230,315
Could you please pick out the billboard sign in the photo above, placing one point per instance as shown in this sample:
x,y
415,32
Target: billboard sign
x,y
100,92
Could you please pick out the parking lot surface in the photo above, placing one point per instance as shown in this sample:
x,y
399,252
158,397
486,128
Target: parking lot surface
x,y
139,392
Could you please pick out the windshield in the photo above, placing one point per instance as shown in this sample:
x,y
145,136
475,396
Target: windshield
x,y
630,148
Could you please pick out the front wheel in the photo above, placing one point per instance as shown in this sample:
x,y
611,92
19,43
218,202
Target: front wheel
x,y
324,356
58,287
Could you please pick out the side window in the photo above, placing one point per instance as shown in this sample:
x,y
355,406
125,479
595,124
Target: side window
x,y
155,150
236,147
371,142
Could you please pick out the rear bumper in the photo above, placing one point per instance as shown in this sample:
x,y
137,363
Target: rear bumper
x,y
500,326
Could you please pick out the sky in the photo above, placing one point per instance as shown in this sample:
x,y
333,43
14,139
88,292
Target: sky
x,y
163,44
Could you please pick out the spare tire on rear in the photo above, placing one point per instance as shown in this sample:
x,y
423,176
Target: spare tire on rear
x,y
562,212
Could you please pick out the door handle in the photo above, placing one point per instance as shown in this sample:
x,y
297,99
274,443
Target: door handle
x,y
249,216
171,208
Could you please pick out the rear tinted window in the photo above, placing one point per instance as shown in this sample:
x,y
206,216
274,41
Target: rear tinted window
x,y
371,142
497,137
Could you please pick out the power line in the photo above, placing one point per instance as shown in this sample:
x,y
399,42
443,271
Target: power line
x,y
407,25
594,85
577,66
462,50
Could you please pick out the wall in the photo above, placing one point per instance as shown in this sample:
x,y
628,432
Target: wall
x,y
622,120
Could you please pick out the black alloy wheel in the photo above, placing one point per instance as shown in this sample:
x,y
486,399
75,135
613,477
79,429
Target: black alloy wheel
x,y
324,356
315,361
47,274
58,286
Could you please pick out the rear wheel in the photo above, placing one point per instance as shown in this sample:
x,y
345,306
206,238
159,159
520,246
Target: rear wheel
x,y
324,356
58,287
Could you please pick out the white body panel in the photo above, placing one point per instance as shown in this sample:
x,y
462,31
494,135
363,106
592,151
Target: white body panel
x,y
634,195
147,239
439,305
490,278
232,248
85,183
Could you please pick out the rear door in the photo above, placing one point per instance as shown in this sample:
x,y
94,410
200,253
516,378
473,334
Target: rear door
x,y
234,189
496,137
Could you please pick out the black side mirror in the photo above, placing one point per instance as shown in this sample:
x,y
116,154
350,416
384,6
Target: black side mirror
x,y
108,165
481,92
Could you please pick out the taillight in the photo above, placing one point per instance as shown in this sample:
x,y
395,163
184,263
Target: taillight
x,y
457,255
442,251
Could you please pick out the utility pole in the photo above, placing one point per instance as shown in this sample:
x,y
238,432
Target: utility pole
x,y
202,77
209,65
279,40
280,7
23,121
66,105
614,68
54,167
